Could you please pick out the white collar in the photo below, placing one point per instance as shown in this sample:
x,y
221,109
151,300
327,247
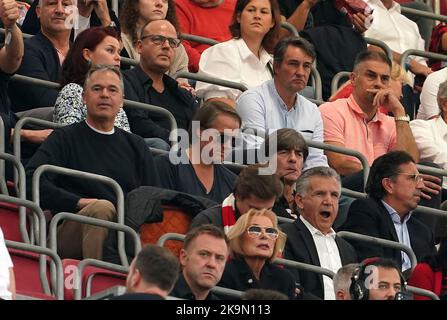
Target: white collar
x,y
245,52
314,230
100,131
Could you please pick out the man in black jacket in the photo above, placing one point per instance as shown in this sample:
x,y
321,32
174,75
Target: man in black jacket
x,y
152,274
44,54
148,83
394,188
311,238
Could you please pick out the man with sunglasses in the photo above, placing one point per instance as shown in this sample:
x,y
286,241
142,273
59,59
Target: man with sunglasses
x,y
394,188
149,83
311,238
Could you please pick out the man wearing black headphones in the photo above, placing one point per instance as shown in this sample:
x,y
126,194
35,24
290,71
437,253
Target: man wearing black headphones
x,y
377,279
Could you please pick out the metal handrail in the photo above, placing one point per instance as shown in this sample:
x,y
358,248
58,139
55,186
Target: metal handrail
x,y
170,236
422,292
342,150
88,176
317,102
424,14
203,78
34,81
336,80
3,186
37,210
227,292
290,27
382,45
129,62
21,192
55,259
318,83
155,109
431,170
24,35
304,266
16,137
380,242
89,220
198,39
97,263
420,53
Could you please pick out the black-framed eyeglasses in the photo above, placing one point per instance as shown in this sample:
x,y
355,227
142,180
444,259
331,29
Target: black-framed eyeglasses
x,y
416,177
256,231
159,40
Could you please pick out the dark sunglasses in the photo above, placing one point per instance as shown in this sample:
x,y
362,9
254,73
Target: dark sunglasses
x,y
256,231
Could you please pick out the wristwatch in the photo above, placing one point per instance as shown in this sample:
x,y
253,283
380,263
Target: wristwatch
x,y
405,118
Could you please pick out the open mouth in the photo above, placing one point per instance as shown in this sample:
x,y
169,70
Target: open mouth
x,y
325,214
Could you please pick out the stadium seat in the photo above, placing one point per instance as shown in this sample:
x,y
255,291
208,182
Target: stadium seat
x,y
94,279
175,220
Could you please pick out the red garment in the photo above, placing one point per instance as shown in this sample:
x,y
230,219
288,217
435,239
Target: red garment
x,y
210,23
424,277
345,92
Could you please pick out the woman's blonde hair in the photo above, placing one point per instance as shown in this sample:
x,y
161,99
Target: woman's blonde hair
x,y
398,73
237,231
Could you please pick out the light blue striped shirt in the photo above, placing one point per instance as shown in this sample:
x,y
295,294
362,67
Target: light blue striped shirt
x,y
262,108
402,233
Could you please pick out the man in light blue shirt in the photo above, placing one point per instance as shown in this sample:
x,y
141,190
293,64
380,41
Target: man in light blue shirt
x,y
277,103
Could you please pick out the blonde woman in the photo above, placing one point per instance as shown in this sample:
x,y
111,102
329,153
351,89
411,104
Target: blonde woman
x,y
255,241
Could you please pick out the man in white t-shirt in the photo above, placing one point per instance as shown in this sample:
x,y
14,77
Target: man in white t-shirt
x,y
7,281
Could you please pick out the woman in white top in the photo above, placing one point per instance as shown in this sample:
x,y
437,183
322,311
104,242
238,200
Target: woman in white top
x,y
431,135
7,281
242,59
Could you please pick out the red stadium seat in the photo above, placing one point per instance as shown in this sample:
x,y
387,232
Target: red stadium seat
x,y
98,279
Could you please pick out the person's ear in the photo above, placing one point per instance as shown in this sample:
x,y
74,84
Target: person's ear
x,y
388,185
183,257
86,54
139,46
299,201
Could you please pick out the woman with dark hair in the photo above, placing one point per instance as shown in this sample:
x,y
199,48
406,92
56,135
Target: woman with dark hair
x,y
255,241
431,274
244,58
135,14
97,45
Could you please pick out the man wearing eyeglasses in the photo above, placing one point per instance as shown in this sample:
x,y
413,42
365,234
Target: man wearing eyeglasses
x,y
311,238
149,84
394,188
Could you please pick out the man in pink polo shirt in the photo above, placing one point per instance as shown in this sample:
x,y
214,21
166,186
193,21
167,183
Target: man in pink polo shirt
x,y
354,122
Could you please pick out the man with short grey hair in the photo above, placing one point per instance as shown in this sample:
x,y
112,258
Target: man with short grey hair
x,y
311,238
94,146
342,281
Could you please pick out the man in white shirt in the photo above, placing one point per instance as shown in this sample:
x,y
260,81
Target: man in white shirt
x,y
429,103
311,238
398,32
277,103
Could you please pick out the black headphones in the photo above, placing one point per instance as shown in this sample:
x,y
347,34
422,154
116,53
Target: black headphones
x,y
358,289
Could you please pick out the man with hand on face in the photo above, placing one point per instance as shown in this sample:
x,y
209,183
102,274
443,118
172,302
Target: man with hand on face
x,y
311,238
355,123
